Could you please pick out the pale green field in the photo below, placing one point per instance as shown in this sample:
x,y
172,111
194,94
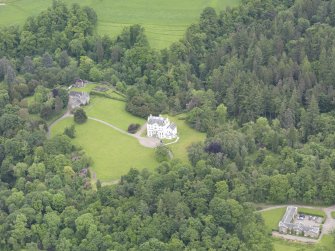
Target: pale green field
x,y
86,88
164,21
310,211
187,136
120,151
113,153
111,111
272,218
326,244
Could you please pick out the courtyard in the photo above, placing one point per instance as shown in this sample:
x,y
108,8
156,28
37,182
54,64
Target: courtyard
x,y
295,223
308,220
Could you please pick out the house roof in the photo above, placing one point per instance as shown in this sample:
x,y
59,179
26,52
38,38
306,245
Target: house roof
x,y
289,214
172,126
287,219
156,120
78,98
74,93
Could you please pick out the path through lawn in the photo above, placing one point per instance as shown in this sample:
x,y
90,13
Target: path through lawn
x,y
113,153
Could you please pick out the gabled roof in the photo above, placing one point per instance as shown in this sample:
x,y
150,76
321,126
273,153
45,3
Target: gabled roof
x,y
74,93
156,120
289,214
287,219
172,126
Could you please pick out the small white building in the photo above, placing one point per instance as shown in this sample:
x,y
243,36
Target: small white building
x,y
160,127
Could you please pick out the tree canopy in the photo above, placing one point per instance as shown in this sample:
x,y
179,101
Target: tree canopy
x,y
258,79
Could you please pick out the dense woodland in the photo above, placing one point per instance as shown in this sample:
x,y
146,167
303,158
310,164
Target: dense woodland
x,y
258,79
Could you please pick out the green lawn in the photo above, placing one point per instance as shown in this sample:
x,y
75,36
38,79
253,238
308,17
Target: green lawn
x,y
272,217
187,136
333,214
314,212
111,111
86,88
326,244
112,152
164,21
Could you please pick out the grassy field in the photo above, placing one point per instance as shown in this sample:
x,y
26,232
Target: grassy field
x,y
187,137
272,217
164,21
86,88
326,244
333,214
313,212
111,111
112,152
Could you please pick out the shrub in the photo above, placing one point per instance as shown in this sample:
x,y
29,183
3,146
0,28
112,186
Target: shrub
x,y
80,116
214,147
162,153
70,131
133,128
34,108
46,112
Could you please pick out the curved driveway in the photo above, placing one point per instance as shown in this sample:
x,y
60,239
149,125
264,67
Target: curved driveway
x,y
144,141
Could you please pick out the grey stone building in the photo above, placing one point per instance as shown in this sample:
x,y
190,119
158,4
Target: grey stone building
x,y
77,99
287,225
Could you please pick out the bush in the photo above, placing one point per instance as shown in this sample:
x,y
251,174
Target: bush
x,y
162,153
46,112
34,108
80,116
70,131
213,147
133,128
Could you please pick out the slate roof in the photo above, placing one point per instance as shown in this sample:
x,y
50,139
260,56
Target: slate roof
x,y
156,120
288,218
172,126
78,98
289,214
74,93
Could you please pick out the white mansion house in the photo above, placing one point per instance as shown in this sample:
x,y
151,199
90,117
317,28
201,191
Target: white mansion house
x,y
161,128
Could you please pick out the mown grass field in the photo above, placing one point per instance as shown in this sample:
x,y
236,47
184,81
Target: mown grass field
x,y
86,88
313,212
326,244
113,153
272,218
187,136
111,111
164,21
